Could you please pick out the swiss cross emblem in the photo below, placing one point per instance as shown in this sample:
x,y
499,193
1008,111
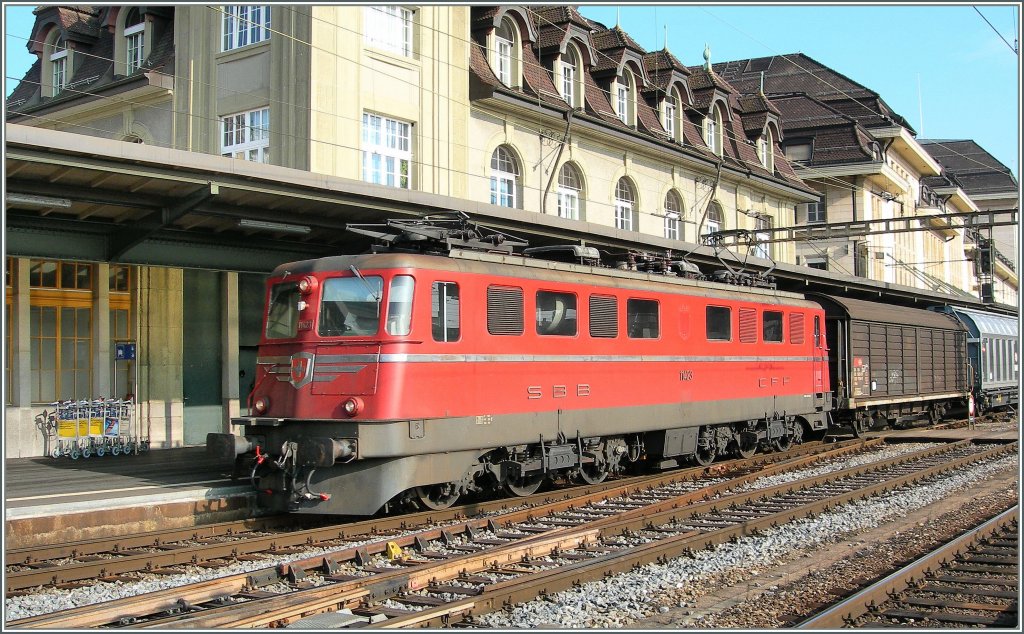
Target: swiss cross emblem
x,y
301,369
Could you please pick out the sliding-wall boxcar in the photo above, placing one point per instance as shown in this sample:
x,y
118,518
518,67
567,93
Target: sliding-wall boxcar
x,y
891,365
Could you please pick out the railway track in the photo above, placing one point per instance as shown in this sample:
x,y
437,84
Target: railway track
x,y
447,575
971,581
64,565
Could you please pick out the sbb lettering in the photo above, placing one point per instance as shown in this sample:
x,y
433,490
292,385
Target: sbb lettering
x,y
535,392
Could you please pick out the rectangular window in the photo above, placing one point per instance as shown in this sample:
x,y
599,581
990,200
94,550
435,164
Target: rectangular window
x,y
387,151
623,215
719,323
504,310
771,326
59,62
61,353
621,104
569,204
672,226
135,37
670,118
246,136
388,28
444,311
604,317
400,294
642,318
748,325
503,189
556,314
816,212
62,275
504,55
244,24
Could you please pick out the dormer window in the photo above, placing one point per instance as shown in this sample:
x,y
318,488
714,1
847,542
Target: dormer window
x,y
713,125
135,40
670,112
56,57
505,53
571,77
765,150
624,100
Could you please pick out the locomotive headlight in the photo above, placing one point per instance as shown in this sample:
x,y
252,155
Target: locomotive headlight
x,y
302,305
261,405
352,406
307,285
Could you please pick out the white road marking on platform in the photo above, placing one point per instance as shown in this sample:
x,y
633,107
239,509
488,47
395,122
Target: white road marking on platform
x,y
95,492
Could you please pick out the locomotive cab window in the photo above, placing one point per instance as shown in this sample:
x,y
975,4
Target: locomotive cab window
x,y
400,305
771,326
642,318
719,323
283,311
444,311
350,306
556,314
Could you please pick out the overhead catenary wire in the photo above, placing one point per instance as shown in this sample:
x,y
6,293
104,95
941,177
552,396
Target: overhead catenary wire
x,y
413,161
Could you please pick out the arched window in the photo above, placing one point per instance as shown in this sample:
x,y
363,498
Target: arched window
x,y
673,212
570,85
57,57
505,53
715,219
504,177
135,40
625,202
713,130
570,186
766,149
624,97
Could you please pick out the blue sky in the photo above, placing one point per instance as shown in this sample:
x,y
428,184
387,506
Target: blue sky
x,y
940,66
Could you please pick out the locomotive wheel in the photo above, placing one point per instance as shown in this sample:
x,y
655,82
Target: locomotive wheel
x,y
783,443
525,485
704,457
436,497
593,474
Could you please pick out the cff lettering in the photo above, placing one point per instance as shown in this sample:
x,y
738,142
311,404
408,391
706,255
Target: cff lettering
x,y
580,390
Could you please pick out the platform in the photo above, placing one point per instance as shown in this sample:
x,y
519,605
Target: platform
x,y
60,498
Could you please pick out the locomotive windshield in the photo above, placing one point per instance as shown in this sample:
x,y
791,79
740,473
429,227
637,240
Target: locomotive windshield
x,y
350,306
283,311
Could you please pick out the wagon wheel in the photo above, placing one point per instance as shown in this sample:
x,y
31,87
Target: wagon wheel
x,y
593,473
524,485
437,497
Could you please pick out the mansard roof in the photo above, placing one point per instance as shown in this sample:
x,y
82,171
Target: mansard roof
x,y
977,171
797,72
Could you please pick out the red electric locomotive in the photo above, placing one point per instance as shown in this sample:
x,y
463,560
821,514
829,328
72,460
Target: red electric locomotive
x,y
393,377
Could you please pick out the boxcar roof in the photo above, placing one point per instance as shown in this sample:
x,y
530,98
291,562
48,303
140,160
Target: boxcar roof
x,y
517,266
884,313
987,323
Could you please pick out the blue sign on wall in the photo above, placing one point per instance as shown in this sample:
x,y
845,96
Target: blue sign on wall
x,y
124,352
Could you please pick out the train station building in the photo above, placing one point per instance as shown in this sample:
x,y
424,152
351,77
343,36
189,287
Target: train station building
x,y
161,161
